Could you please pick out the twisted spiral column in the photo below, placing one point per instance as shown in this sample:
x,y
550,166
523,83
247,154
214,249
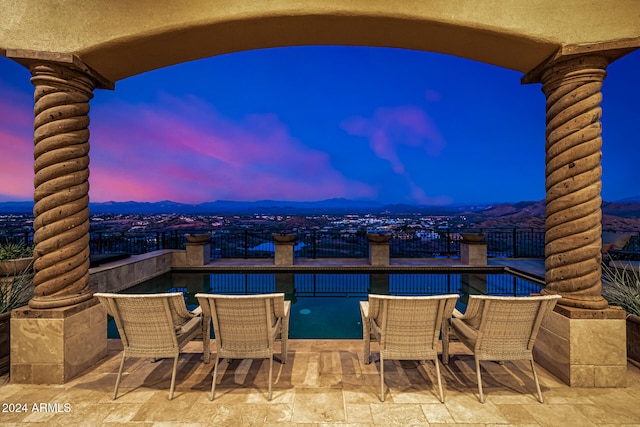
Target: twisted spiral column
x,y
573,180
61,196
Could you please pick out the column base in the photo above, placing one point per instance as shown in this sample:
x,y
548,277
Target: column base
x,y
379,254
284,254
584,348
55,345
473,254
198,254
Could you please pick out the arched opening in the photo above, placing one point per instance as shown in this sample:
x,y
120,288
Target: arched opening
x,y
387,125
85,49
475,127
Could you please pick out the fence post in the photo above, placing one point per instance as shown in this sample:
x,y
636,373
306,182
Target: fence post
x,y
448,243
314,247
246,243
515,242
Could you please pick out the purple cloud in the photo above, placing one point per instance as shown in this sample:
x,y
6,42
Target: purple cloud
x,y
16,145
184,150
393,127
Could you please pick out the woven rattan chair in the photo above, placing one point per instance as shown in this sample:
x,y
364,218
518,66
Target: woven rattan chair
x,y
154,326
246,327
499,328
407,328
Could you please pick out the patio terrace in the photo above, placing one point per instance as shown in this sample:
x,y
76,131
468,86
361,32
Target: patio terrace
x,y
324,382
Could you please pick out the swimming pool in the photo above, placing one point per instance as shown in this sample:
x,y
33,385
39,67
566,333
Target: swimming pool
x,y
326,304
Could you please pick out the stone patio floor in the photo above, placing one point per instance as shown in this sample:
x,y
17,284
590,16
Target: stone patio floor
x,y
324,382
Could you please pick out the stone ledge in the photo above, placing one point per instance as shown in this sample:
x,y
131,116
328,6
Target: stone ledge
x,y
53,313
612,312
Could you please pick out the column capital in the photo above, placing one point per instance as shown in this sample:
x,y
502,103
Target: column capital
x,y
608,51
31,58
574,70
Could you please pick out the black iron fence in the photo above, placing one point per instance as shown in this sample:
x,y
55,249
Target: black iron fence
x,y
134,243
502,243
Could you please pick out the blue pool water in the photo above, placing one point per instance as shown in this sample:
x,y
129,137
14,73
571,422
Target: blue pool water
x,y
326,305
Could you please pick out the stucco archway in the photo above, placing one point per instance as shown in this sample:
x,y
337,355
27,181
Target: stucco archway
x,y
70,52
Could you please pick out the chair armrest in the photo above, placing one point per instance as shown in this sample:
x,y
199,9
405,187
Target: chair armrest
x,y
364,310
196,311
457,313
189,327
287,308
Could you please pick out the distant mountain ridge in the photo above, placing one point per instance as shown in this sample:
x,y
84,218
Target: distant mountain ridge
x,y
332,206
513,211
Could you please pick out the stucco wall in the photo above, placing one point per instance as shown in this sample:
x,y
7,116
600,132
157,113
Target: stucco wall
x,y
123,38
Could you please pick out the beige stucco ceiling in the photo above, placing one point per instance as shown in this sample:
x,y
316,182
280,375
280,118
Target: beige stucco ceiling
x,y
119,39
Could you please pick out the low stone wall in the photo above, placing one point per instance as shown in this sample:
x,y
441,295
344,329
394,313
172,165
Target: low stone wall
x,y
123,274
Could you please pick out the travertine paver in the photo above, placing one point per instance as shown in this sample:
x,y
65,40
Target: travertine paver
x,y
324,382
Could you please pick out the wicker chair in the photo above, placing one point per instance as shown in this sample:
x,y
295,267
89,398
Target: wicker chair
x,y
155,326
407,328
499,328
246,327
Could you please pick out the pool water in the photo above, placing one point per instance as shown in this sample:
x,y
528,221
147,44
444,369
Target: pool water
x,y
326,305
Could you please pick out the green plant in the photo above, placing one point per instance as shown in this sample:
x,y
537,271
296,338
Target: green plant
x,y
10,250
621,287
15,291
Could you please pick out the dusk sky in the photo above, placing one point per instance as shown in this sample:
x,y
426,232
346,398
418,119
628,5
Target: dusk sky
x,y
320,122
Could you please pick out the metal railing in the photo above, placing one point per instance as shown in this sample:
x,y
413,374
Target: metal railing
x,y
134,243
502,243
242,244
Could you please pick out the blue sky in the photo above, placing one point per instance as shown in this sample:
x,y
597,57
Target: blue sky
x,y
318,122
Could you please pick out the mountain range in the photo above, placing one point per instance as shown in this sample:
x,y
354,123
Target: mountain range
x,y
627,208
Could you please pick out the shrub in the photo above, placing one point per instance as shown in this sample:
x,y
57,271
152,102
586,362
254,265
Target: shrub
x,y
10,250
15,291
621,287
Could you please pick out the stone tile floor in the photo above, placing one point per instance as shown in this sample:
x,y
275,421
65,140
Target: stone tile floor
x,y
324,382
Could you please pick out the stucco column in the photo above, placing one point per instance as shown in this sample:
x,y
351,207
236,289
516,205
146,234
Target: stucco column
x,y
573,180
61,195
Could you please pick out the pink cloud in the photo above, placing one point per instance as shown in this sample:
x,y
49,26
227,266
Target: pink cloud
x,y
16,146
178,149
16,170
184,150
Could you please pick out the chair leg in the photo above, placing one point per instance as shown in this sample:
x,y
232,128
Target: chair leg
x,y
206,345
435,361
445,343
366,338
535,378
173,377
115,391
367,351
270,376
215,377
381,378
479,379
283,356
